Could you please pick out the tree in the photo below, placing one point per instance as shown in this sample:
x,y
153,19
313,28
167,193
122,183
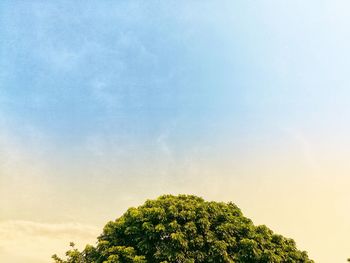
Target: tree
x,y
186,229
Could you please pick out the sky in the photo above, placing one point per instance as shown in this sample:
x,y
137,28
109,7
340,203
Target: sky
x,y
104,104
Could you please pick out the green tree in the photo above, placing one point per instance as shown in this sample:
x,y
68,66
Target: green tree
x,y
186,229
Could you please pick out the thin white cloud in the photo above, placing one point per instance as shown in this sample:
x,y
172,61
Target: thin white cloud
x,y
307,150
19,228
35,242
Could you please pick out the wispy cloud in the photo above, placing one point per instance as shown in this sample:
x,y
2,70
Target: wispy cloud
x,y
307,151
28,241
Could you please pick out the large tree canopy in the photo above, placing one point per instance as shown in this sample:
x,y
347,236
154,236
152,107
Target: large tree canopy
x,y
186,229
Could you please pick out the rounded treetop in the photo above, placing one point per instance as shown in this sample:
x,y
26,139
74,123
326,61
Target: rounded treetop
x,y
187,229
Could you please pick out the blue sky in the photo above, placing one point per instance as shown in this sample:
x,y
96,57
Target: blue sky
x,y
72,69
106,103
76,69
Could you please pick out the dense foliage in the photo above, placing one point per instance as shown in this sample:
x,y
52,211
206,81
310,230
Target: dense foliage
x,y
186,229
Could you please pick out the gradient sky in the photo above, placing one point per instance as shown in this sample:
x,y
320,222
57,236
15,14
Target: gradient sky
x,y
104,104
